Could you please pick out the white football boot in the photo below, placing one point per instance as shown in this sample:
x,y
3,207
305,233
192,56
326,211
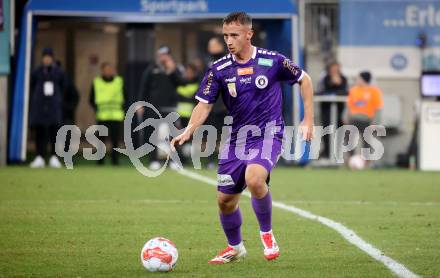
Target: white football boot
x,y
231,253
271,250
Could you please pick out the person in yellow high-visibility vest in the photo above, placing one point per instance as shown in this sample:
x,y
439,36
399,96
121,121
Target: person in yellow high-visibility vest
x,y
107,98
186,93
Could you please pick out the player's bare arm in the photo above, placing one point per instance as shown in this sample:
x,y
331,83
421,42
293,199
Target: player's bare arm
x,y
307,96
198,117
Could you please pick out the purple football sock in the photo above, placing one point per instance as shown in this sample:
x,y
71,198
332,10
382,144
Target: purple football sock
x,y
263,211
231,225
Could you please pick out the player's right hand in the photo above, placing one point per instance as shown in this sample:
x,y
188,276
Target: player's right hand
x,y
180,140
140,110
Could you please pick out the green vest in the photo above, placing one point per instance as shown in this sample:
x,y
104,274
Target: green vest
x,y
109,98
186,92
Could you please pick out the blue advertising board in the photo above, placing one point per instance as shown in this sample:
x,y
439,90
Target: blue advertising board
x,y
389,23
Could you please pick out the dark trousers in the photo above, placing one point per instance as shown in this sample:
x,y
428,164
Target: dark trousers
x,y
149,133
325,118
114,133
43,136
216,120
68,135
361,123
182,123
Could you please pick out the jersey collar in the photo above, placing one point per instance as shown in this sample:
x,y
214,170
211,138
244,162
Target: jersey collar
x,y
254,54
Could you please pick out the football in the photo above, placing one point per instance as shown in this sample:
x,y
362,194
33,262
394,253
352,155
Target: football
x,y
159,255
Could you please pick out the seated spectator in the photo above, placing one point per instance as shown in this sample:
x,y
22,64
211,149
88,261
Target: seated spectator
x,y
364,103
333,83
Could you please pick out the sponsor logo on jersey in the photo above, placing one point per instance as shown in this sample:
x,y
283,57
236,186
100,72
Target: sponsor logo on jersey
x,y
291,67
261,81
245,71
231,80
265,62
224,180
246,80
222,66
207,88
232,89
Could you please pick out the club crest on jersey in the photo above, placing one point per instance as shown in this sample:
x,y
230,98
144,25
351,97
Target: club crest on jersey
x,y
232,89
245,71
261,81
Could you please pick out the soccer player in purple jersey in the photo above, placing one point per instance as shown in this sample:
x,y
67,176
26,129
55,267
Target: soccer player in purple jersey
x,y
249,80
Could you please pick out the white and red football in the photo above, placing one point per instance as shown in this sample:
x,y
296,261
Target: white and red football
x,y
159,255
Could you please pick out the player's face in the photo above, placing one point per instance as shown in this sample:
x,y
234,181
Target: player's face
x,y
237,36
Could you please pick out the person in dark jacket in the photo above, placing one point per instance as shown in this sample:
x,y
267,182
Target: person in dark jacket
x,y
46,107
216,50
70,98
159,87
333,83
70,101
186,93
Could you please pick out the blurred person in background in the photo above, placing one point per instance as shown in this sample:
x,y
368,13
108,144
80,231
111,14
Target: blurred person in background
x,y
159,87
333,83
70,101
46,107
186,92
186,103
364,104
107,99
216,50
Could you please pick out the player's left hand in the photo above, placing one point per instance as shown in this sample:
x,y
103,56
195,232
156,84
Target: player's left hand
x,y
179,140
306,127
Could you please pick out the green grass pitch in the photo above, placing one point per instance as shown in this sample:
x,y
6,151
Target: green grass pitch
x,y
93,222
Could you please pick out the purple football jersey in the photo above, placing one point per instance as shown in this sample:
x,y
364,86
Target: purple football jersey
x,y
251,91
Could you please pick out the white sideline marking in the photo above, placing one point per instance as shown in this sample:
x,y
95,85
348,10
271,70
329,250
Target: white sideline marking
x,y
382,203
306,202
396,267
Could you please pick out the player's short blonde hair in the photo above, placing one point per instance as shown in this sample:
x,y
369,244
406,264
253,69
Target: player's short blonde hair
x,y
240,17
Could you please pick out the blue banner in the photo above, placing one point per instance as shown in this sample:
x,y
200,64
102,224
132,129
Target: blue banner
x,y
389,23
162,7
